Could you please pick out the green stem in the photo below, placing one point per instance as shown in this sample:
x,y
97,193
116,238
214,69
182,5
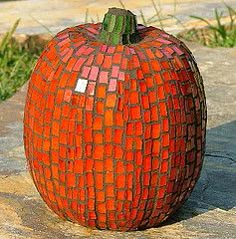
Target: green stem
x,y
119,26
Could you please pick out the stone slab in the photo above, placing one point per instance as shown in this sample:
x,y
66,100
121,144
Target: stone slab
x,y
39,15
209,213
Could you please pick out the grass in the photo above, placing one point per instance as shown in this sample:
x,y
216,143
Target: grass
x,y
16,63
215,35
219,35
156,18
17,60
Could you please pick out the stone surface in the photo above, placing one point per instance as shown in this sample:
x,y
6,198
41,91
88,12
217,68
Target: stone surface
x,y
210,212
39,16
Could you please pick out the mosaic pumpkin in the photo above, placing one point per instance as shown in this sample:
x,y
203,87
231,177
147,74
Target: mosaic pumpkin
x,y
115,123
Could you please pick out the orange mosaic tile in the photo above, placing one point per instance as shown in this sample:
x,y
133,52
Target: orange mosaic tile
x,y
114,124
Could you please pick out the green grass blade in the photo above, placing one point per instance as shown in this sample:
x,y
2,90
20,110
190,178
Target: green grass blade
x,y
98,18
41,24
86,16
16,63
152,18
220,28
201,19
158,14
178,21
143,18
232,15
175,6
207,22
122,4
8,36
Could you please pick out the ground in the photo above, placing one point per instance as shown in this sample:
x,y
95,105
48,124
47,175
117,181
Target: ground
x,y
210,211
55,15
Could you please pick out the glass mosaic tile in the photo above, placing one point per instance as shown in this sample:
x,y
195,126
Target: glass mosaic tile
x,y
115,124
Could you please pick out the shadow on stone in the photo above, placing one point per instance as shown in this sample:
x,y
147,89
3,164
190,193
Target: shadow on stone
x,y
216,187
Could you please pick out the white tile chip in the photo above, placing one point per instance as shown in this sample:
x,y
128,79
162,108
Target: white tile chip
x,y
81,85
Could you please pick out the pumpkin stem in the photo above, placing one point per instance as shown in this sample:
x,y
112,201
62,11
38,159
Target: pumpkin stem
x,y
119,26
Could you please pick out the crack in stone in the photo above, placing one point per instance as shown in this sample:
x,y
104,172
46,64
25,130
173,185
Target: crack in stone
x,y
220,156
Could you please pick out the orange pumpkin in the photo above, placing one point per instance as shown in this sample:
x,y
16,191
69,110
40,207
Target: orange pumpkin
x,y
115,123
